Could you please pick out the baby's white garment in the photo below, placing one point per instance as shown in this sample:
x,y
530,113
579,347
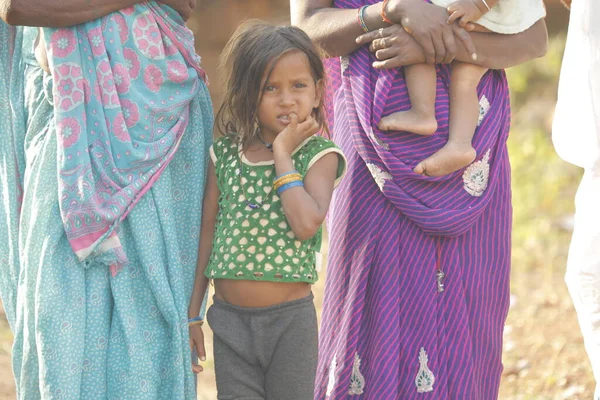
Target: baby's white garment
x,y
508,16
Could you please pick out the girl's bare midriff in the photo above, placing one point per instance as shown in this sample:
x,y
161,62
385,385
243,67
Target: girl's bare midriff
x,y
244,293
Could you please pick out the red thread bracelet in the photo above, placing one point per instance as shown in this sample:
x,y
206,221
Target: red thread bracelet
x,y
383,13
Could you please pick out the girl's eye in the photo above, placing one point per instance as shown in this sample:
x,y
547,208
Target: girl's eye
x,y
300,85
269,88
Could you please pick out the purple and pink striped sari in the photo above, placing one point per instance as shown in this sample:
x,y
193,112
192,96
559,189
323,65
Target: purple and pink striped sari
x,y
417,288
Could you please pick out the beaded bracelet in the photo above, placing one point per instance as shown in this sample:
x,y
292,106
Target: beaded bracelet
x,y
361,19
287,173
195,321
286,179
384,16
289,185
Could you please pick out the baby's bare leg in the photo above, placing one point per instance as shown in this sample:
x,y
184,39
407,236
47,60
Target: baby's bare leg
x,y
464,114
420,119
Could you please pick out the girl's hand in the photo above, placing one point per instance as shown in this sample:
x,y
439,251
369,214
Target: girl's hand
x,y
294,134
465,11
185,8
428,24
197,343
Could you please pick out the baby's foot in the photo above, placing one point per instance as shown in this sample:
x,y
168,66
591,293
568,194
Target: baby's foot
x,y
409,121
450,158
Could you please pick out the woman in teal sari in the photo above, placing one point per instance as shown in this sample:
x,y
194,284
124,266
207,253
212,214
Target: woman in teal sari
x,y
104,134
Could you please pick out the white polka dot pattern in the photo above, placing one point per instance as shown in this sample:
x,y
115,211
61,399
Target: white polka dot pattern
x,y
258,243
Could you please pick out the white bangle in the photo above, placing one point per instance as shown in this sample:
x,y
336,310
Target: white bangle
x,y
486,5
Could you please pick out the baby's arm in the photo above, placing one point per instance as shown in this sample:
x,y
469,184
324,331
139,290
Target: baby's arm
x,y
468,11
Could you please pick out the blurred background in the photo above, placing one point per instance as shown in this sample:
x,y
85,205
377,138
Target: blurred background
x,y
544,357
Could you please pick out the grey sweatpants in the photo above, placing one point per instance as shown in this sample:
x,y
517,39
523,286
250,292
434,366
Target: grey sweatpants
x,y
265,353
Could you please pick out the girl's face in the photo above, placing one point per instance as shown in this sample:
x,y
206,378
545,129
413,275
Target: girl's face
x,y
291,88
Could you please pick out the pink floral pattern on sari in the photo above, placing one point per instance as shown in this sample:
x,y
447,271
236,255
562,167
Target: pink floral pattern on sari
x,y
68,131
131,112
177,71
96,39
69,86
63,42
118,127
132,62
121,26
147,37
108,90
153,78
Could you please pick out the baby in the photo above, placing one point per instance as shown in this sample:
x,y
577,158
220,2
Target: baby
x,y
499,16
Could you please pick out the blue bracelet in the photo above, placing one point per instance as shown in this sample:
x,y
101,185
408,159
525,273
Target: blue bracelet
x,y
289,186
195,319
361,19
287,173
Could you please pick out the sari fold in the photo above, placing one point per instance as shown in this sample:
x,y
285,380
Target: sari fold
x,y
123,85
12,163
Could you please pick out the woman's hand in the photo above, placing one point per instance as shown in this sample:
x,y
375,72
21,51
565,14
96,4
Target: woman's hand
x,y
393,47
185,8
197,343
428,25
294,134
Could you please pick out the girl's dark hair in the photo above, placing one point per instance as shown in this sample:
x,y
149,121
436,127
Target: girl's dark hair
x,y
254,47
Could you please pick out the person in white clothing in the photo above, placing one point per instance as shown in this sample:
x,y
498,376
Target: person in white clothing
x,y
576,135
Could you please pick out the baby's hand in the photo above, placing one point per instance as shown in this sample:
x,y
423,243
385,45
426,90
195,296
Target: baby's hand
x,y
465,12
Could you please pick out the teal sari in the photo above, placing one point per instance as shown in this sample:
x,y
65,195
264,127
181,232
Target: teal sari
x,y
80,331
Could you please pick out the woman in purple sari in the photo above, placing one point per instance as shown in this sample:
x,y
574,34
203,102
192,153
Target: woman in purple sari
x,y
417,290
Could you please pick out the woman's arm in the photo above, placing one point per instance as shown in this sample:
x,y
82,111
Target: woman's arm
x,y
495,51
58,13
333,29
62,13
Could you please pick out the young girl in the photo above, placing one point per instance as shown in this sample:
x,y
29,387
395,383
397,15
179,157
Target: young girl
x,y
500,16
269,187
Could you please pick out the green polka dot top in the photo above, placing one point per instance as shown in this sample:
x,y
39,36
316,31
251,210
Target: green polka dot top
x,y
258,243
